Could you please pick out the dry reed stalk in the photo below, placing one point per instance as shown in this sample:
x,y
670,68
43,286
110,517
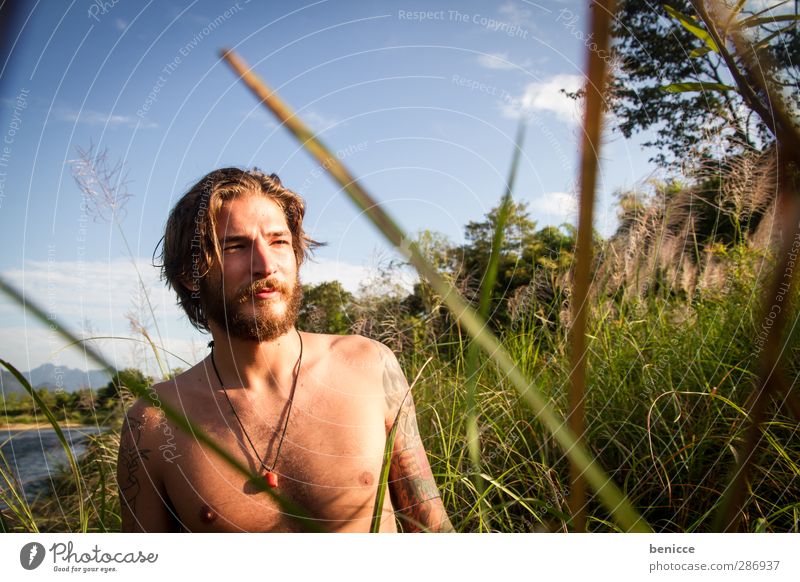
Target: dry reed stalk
x,y
602,12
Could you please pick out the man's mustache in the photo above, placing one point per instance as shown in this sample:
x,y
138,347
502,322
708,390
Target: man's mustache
x,y
246,293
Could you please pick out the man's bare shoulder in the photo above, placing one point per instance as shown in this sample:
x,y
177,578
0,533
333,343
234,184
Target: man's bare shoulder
x,y
144,414
351,351
148,413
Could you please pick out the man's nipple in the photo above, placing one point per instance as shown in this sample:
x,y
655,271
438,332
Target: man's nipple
x,y
366,478
207,515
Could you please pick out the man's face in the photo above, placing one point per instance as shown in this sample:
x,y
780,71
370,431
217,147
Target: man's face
x,y
255,294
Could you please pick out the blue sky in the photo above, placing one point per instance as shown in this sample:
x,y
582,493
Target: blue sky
x,y
419,98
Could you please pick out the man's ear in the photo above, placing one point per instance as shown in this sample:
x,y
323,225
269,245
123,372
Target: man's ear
x,y
187,284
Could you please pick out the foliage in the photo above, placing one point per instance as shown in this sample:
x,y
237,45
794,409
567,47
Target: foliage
x,y
694,85
532,264
665,409
131,379
532,277
326,308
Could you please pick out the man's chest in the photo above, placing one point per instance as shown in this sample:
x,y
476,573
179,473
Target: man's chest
x,y
327,461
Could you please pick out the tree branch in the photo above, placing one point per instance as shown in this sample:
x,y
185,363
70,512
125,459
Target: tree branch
x,y
745,90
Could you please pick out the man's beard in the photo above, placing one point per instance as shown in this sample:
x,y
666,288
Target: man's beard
x,y
263,324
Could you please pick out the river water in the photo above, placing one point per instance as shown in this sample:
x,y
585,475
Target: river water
x,y
34,454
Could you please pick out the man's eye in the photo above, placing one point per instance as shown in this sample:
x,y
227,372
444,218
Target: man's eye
x,y
282,242
232,247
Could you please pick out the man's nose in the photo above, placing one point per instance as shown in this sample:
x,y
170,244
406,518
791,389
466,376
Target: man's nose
x,y
262,263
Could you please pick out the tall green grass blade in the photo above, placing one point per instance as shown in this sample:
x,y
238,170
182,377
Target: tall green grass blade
x,y
16,502
609,494
695,53
383,481
147,341
388,450
487,287
487,292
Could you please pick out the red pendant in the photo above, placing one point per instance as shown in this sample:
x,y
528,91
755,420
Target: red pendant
x,y
271,479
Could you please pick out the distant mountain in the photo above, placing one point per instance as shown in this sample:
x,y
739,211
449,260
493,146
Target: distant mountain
x,y
51,377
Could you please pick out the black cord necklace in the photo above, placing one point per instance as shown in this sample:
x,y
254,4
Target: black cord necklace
x,y
271,477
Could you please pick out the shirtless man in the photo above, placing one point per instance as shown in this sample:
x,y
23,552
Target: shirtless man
x,y
308,413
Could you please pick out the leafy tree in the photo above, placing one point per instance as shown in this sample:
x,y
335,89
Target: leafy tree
x,y
63,399
326,308
11,400
84,400
48,398
681,75
526,255
425,302
519,243
129,378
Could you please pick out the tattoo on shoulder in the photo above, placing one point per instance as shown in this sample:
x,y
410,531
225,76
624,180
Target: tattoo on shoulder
x,y
412,485
394,381
399,401
130,456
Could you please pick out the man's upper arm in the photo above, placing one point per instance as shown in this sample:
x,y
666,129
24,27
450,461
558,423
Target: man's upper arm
x,y
411,484
143,499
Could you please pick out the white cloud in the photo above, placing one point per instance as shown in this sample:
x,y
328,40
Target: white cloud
x,y
547,96
120,24
96,290
96,295
500,61
556,207
261,116
92,117
317,121
516,13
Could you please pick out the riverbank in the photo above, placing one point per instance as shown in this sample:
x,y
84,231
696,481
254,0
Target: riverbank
x,y
42,426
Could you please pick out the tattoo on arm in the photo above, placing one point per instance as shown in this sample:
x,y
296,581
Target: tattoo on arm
x,y
411,482
130,455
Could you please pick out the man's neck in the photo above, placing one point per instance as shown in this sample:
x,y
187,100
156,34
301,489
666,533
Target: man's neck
x,y
266,366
